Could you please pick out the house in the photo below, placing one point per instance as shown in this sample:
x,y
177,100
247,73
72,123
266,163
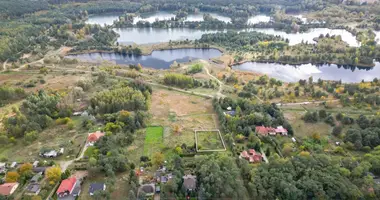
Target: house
x,y
189,182
13,165
77,113
96,187
33,189
69,189
264,131
252,156
2,168
281,130
49,154
8,189
36,177
39,169
231,113
94,137
148,189
35,163
261,130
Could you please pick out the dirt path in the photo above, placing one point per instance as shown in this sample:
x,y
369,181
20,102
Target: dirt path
x,y
5,66
219,93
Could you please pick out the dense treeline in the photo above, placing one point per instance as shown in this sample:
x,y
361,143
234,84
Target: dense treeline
x,y
117,99
20,7
309,177
181,80
8,94
36,113
219,177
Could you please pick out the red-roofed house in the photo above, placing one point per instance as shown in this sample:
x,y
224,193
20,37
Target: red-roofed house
x,y
281,130
252,156
94,137
67,186
262,130
8,189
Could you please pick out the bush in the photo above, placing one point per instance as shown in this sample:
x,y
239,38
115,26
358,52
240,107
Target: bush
x,y
195,68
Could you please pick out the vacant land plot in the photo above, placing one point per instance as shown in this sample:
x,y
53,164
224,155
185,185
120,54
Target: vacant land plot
x,y
303,129
209,141
153,140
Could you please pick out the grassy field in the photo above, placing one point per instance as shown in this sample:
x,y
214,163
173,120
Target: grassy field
x,y
209,140
153,140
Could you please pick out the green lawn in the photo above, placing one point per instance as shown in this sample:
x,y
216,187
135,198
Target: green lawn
x,y
153,140
154,135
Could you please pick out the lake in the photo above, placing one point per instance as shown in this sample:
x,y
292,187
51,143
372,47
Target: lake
x,y
161,59
157,35
198,17
102,19
296,38
289,73
257,19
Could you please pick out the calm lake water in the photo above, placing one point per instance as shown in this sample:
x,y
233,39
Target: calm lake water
x,y
103,19
257,19
289,73
198,17
158,59
157,35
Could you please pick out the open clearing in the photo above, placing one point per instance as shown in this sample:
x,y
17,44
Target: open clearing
x,y
209,140
153,140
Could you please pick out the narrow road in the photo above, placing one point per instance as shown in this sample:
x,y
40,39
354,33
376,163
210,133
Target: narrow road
x,y
219,93
264,156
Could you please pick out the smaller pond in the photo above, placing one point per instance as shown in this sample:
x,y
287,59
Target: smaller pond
x,y
158,59
152,17
157,35
257,19
102,19
198,17
290,73
296,38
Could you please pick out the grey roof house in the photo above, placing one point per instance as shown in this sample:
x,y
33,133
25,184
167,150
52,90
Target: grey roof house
x,y
33,189
96,187
190,182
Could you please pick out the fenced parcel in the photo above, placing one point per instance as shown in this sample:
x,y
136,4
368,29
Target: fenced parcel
x,y
209,141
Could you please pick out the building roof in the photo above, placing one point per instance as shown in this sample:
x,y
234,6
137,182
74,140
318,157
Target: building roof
x,y
281,129
262,130
190,182
147,188
6,188
33,188
95,187
39,169
252,156
93,137
67,185
2,164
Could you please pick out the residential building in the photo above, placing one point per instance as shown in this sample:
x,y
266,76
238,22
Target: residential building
x,y
94,137
252,156
39,169
49,154
35,163
265,131
33,189
69,189
13,165
96,187
148,189
190,182
8,189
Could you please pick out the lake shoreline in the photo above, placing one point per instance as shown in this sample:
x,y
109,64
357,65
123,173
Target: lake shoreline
x,y
300,63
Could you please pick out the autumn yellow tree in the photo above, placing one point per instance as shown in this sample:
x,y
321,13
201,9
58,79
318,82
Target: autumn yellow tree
x,y
158,159
54,174
25,168
36,197
12,177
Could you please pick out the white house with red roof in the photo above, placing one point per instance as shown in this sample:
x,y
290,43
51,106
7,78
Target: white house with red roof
x,y
265,131
69,189
94,137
